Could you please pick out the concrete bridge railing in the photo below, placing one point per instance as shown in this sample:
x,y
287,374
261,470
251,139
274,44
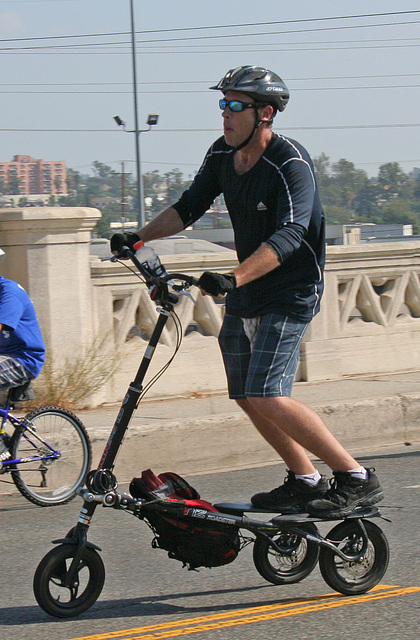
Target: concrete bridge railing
x,y
369,321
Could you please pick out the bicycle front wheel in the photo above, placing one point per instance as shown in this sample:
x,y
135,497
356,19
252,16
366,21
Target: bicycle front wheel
x,y
51,481
49,584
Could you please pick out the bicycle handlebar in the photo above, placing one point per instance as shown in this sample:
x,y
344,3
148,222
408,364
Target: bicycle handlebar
x,y
158,283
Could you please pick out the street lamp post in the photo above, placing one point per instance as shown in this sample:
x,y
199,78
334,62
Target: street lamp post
x,y
152,120
140,198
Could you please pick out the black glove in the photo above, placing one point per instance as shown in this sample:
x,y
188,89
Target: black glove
x,y
217,284
120,240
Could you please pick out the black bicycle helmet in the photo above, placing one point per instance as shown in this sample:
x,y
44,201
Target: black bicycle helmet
x,y
263,85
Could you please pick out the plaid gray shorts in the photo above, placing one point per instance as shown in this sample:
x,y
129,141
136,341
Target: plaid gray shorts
x,y
12,372
268,367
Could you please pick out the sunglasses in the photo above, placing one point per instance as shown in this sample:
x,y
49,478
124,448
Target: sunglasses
x,y
236,105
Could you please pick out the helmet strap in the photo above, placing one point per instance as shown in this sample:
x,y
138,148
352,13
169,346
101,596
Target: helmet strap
x,y
249,138
257,124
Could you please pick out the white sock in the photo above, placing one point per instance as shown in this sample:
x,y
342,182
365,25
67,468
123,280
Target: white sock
x,y
360,472
310,478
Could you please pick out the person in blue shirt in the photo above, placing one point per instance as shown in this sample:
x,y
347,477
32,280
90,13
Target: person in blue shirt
x,y
271,194
22,349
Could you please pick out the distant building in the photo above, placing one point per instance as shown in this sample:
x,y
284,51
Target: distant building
x,y
365,232
26,176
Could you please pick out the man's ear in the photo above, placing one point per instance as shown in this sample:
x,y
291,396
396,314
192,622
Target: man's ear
x,y
266,113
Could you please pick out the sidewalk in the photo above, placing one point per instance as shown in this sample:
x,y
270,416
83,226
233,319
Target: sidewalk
x,y
210,433
204,434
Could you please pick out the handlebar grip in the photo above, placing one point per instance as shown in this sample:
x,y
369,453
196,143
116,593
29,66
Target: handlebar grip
x,y
124,253
182,276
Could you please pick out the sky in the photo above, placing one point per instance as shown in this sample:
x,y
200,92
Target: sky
x,y
352,68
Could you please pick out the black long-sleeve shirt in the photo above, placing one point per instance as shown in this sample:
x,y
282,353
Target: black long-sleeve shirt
x,y
276,202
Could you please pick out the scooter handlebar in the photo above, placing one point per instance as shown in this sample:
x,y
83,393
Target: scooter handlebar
x,y
152,278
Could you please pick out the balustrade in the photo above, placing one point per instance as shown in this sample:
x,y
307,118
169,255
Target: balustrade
x,y
369,320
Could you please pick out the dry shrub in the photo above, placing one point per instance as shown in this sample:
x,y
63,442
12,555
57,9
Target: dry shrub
x,y
77,378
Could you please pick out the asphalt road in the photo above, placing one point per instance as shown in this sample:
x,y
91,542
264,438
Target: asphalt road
x,y
147,595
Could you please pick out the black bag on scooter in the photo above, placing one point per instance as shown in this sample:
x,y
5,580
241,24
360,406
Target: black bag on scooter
x,y
208,545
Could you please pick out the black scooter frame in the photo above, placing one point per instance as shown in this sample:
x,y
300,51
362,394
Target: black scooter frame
x,y
103,477
101,483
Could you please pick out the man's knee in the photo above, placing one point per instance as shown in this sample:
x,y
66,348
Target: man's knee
x,y
261,404
258,404
242,402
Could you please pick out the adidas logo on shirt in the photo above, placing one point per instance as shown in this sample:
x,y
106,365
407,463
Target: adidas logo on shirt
x,y
261,207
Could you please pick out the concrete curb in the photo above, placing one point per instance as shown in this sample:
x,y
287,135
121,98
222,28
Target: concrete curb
x,y
208,442
229,441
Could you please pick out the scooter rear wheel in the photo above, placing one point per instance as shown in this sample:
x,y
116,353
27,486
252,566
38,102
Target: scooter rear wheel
x,y
50,590
294,561
352,578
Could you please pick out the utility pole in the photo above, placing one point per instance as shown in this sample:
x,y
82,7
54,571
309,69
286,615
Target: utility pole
x,y
140,197
123,202
152,120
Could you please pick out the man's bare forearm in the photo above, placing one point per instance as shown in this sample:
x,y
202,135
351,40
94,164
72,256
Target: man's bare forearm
x,y
258,264
166,223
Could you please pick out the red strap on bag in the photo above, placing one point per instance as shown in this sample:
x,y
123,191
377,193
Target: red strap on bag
x,y
170,484
151,480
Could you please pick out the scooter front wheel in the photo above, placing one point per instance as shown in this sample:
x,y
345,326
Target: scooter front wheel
x,y
293,558
51,592
361,575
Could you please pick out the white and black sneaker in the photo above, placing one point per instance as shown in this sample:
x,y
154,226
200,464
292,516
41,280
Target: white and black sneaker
x,y
4,451
292,496
345,494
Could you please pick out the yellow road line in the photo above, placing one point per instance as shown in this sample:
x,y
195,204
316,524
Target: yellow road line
x,y
249,615
200,619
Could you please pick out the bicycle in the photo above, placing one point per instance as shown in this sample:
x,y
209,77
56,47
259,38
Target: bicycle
x,y
50,451
353,556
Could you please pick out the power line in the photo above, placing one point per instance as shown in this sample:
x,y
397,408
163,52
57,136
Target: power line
x,y
185,82
184,91
15,2
306,42
224,26
281,47
270,48
302,128
142,43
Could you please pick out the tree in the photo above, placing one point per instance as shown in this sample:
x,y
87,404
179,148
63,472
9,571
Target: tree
x,y
154,193
349,181
102,170
347,193
366,203
13,187
322,166
175,185
74,180
161,191
416,186
394,182
392,176
337,215
58,181
400,211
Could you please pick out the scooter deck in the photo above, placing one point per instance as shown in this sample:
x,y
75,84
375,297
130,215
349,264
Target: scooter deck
x,y
239,508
